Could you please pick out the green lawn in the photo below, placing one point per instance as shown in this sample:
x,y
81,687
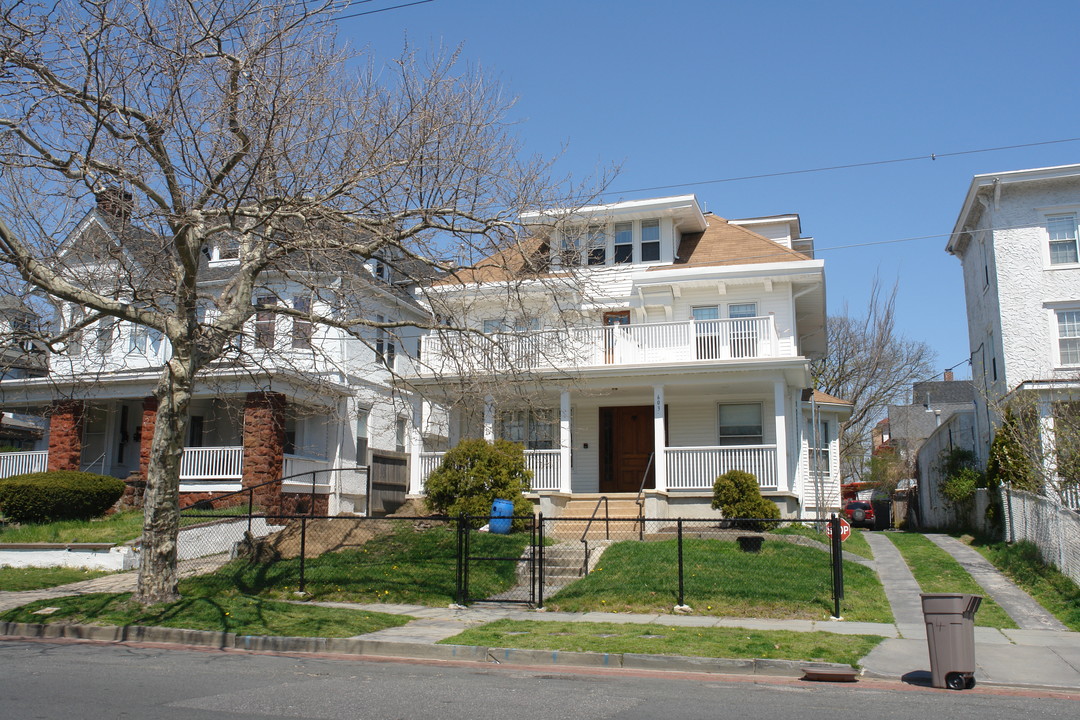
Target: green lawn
x,y
938,572
1023,564
406,566
117,528
662,639
19,579
782,581
224,612
855,544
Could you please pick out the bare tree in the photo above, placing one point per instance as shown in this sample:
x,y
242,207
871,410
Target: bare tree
x,y
238,129
872,366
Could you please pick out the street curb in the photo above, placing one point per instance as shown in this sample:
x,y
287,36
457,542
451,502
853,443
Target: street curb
x,y
420,651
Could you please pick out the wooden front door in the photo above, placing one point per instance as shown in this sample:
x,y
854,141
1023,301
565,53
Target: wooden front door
x,y
626,443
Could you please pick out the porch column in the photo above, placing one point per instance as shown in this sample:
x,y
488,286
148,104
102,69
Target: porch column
x,y
489,419
1046,441
65,435
264,446
416,446
565,442
783,477
146,434
659,440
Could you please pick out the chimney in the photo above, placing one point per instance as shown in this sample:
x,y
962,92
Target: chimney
x,y
948,376
115,203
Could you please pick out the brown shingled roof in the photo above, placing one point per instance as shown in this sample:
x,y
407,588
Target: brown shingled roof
x,y
725,244
823,398
528,258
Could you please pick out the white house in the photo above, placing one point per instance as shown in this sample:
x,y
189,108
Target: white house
x,y
290,398
642,347
1017,240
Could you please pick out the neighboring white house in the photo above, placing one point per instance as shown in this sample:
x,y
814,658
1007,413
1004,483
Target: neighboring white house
x,y
643,344
290,398
1017,239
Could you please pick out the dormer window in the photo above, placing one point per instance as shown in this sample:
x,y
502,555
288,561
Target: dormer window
x,y
624,243
621,243
596,246
650,240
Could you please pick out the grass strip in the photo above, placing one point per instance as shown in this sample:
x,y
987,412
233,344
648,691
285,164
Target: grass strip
x,y
19,579
659,639
856,542
937,571
236,613
784,580
1022,563
405,566
116,528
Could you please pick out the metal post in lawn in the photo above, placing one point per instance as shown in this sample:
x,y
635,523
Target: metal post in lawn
x,y
540,546
303,549
459,599
311,500
837,565
679,525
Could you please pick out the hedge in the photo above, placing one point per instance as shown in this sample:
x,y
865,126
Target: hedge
x,y
58,495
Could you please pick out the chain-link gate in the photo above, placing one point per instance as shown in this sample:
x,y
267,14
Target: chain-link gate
x,y
483,555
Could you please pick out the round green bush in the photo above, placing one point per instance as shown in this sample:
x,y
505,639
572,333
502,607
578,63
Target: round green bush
x,y
477,472
58,495
736,494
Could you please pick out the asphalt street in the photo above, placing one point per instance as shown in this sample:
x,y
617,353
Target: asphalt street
x,y
70,680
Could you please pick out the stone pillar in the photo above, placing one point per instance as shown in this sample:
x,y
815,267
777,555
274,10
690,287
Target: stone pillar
x,y
264,447
65,435
146,434
659,440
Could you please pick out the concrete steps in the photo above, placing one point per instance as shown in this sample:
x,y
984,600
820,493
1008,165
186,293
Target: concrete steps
x,y
622,511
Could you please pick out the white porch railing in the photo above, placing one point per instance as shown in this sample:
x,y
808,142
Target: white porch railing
x,y
646,343
211,463
545,466
20,463
297,471
695,468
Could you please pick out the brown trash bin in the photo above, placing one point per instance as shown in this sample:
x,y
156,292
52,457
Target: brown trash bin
x,y
950,636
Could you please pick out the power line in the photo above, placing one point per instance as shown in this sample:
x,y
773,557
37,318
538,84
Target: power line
x,y
848,166
381,10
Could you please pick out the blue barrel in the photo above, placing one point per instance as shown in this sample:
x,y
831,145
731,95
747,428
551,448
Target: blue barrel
x,y
501,513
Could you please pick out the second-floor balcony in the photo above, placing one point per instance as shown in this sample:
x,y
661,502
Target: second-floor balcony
x,y
455,352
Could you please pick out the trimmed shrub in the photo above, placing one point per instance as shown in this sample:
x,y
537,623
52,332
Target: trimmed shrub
x,y
475,473
58,495
736,494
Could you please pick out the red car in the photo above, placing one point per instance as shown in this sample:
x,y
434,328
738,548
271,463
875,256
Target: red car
x,y
860,513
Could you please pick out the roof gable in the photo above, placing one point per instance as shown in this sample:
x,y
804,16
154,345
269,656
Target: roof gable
x,y
723,243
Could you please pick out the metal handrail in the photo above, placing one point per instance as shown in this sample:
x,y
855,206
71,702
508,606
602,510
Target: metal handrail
x,y
588,525
640,500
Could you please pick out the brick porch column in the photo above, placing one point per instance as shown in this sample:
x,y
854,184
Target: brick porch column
x,y
146,434
65,435
264,446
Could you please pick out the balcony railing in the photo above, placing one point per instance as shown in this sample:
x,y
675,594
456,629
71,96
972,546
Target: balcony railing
x,y
648,343
695,468
20,463
544,464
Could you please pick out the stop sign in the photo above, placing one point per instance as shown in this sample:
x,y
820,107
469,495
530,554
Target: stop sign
x,y
845,529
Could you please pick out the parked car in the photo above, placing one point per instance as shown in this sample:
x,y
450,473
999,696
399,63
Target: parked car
x,y
860,514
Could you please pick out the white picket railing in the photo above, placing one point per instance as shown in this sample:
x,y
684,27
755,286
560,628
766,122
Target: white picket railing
x,y
545,466
695,468
646,343
20,463
212,463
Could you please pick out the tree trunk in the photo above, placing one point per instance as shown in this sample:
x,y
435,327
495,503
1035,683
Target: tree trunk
x,y
161,511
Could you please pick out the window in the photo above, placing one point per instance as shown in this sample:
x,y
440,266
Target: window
x,y
624,243
399,434
1062,231
361,437
1068,330
103,339
384,344
596,246
744,340
740,424
301,329
818,447
494,325
707,331
535,429
137,339
650,240
742,310
265,321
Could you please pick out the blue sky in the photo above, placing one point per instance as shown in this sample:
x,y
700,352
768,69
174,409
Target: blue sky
x,y
686,91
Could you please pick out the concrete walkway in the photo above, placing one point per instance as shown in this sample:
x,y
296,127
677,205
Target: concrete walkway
x,y
1020,606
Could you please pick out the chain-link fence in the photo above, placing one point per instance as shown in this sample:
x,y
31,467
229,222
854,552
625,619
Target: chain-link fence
x,y
1054,529
743,567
